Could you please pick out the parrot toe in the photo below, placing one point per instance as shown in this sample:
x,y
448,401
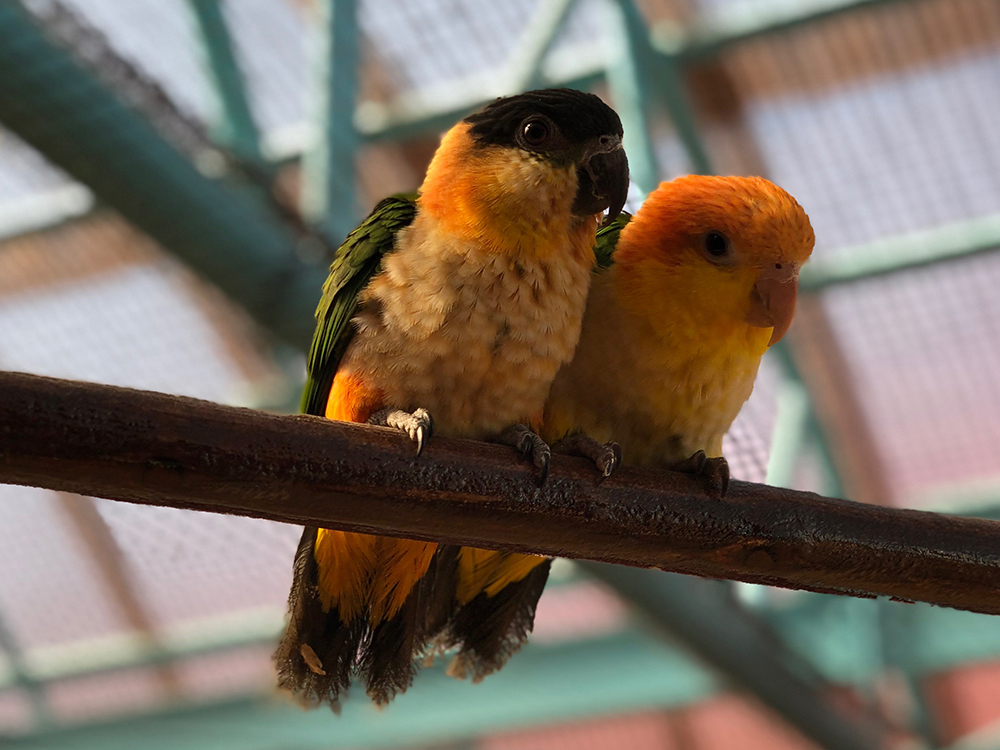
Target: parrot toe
x,y
693,464
524,439
607,457
418,425
715,470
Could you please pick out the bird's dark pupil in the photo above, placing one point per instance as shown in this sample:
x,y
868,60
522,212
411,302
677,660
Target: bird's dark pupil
x,y
716,243
535,132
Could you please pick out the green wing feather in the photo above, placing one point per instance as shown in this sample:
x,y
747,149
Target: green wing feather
x,y
607,240
354,264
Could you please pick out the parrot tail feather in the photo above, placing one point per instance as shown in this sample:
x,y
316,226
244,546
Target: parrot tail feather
x,y
437,590
320,652
388,659
490,629
317,651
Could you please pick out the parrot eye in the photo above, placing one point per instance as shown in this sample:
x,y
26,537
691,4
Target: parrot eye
x,y
535,133
716,244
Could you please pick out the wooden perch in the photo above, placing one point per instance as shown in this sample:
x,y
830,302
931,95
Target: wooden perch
x,y
156,449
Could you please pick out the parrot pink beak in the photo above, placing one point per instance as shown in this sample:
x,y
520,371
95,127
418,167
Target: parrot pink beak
x,y
772,302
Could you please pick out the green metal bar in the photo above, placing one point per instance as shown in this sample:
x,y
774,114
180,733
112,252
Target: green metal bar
x,y
202,637
542,684
237,129
229,234
679,108
693,612
896,636
632,64
831,484
53,663
791,374
20,677
754,20
948,242
791,429
537,40
328,194
748,21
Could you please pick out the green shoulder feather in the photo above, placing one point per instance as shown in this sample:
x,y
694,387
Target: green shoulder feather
x,y
607,240
354,264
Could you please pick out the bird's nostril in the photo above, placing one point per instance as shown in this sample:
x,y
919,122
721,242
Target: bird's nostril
x,y
778,266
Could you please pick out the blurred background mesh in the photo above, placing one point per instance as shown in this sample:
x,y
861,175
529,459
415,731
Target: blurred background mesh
x,y
882,121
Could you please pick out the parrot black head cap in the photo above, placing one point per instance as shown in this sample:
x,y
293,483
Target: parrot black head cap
x,y
578,115
563,126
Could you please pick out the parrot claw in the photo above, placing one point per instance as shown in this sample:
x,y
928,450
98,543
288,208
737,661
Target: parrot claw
x,y
607,457
524,439
419,425
715,470
610,466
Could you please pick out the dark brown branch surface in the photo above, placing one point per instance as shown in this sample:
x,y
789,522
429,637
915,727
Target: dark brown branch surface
x,y
163,450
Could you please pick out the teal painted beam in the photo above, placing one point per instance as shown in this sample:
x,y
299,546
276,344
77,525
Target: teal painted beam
x,y
20,677
791,430
837,634
237,129
675,97
676,50
814,428
695,612
543,29
854,639
630,71
751,20
329,190
579,680
951,241
228,233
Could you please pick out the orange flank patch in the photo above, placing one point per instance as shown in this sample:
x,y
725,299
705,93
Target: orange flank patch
x,y
361,574
351,399
345,562
401,563
481,570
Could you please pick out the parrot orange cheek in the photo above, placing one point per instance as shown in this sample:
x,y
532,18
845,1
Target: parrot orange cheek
x,y
773,300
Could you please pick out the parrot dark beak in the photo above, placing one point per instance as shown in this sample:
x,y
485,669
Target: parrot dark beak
x,y
773,298
603,178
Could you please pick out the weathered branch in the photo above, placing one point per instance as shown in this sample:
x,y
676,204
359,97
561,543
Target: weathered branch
x,y
163,450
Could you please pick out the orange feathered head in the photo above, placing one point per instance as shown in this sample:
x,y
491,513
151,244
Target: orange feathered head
x,y
724,250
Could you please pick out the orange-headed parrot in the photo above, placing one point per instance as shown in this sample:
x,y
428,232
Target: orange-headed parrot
x,y
690,293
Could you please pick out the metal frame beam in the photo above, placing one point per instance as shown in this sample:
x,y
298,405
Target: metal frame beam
x,y
948,242
237,129
229,234
560,682
328,197
630,71
696,613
